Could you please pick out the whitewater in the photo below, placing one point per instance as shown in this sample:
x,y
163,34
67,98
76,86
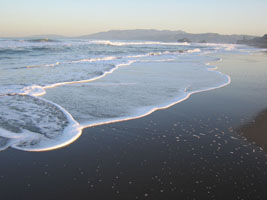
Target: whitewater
x,y
50,90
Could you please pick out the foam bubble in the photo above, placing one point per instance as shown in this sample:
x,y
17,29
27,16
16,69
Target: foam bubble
x,y
33,124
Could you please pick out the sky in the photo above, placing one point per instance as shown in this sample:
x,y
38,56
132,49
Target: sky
x,y
82,17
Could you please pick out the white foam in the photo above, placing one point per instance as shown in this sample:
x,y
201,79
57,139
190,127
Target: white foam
x,y
123,101
95,80
227,47
112,43
34,90
73,130
139,113
84,81
94,59
47,65
34,124
75,61
194,50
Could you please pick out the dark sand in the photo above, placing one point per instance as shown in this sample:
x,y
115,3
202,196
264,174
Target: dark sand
x,y
256,130
189,151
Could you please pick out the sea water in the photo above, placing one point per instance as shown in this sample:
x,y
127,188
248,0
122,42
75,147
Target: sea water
x,y
52,89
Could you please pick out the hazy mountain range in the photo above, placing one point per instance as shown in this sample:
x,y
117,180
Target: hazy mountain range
x,y
164,36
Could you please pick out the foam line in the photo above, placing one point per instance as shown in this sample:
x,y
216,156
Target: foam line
x,y
85,81
36,90
73,129
109,58
94,59
194,50
75,61
108,42
149,111
70,133
40,91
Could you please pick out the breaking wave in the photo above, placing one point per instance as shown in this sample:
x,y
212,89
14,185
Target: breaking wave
x,y
108,42
46,106
42,40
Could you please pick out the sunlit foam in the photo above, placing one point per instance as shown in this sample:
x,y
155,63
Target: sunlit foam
x,y
74,128
40,125
194,50
112,43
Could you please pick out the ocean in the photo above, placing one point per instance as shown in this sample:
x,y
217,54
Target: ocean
x,y
50,90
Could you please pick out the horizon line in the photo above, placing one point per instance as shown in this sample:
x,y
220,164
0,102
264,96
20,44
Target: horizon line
x,y
59,35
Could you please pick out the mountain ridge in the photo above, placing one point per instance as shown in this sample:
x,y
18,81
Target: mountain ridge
x,y
154,35
165,36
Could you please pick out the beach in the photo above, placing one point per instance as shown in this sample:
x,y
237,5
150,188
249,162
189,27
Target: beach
x,y
201,148
255,130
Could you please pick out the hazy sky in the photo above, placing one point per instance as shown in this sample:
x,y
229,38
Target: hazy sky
x,y
80,17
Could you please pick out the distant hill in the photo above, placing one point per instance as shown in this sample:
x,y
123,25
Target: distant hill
x,y
257,42
138,34
165,36
161,35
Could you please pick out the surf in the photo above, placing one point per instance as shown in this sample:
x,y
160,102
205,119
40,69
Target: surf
x,y
124,81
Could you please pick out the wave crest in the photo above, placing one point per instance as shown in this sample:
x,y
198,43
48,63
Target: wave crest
x,y
42,40
112,43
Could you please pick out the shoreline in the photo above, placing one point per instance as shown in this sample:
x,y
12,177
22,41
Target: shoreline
x,y
254,126
181,96
197,139
188,151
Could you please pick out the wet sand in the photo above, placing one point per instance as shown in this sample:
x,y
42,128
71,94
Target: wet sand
x,y
192,150
256,130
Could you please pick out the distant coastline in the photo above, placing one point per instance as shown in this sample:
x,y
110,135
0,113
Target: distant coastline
x,y
154,35
166,36
260,42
